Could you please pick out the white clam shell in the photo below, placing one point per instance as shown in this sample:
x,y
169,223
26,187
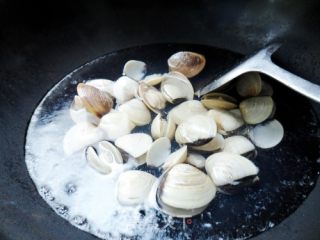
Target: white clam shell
x,y
226,121
176,86
187,187
136,144
125,89
238,145
196,129
267,135
152,97
80,136
100,165
176,157
104,85
78,113
115,124
185,110
158,152
135,69
137,112
215,144
196,160
109,152
133,187
161,127
225,168
153,79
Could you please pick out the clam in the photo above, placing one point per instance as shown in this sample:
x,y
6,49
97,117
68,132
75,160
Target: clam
x,y
218,100
115,124
135,144
186,187
196,130
238,145
158,152
135,69
137,111
226,168
106,159
161,127
188,63
125,89
267,135
153,79
94,100
176,88
266,90
226,121
249,84
80,136
185,110
141,160
256,109
109,152
103,85
134,186
78,113
175,158
152,97
215,144
196,160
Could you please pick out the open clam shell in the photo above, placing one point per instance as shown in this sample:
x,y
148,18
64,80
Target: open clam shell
x,y
94,100
134,186
215,144
135,144
256,109
196,130
176,87
176,157
153,79
158,152
115,124
267,135
225,168
152,97
185,110
188,63
186,187
135,69
219,100
196,160
125,89
137,112
225,120
161,127
238,145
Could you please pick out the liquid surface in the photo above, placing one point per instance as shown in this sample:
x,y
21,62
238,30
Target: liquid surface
x,y
87,199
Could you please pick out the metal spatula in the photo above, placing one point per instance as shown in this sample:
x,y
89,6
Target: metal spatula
x,y
261,62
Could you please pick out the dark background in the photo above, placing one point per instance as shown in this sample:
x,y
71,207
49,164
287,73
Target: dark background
x,y
40,42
